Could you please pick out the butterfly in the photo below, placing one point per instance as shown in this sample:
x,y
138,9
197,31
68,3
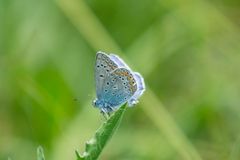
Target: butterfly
x,y
116,84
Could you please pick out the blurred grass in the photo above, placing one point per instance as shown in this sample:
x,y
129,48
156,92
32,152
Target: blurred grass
x,y
188,52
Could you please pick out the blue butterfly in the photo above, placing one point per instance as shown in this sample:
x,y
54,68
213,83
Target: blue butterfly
x,y
116,84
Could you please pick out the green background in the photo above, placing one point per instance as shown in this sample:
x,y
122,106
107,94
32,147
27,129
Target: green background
x,y
187,51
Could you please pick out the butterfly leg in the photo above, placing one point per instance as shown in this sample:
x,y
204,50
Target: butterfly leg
x,y
104,113
106,116
109,110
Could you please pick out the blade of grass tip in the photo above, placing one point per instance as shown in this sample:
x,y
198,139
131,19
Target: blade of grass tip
x,y
96,144
40,153
75,14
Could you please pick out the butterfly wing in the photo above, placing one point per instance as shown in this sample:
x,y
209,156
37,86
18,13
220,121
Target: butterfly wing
x,y
120,62
137,76
119,87
103,67
140,89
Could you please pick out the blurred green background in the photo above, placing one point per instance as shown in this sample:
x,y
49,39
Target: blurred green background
x,y
187,51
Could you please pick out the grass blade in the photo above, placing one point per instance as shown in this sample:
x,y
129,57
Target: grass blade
x,y
40,153
96,144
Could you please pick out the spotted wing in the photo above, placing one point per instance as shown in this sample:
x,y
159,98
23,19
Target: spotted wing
x,y
119,87
137,76
103,67
140,89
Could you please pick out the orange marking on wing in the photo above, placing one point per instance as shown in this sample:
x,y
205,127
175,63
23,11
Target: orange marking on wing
x,y
111,66
133,87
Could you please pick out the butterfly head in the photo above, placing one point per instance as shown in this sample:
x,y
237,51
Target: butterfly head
x,y
95,103
98,103
103,106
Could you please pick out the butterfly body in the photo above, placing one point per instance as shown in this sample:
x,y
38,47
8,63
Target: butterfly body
x,y
116,84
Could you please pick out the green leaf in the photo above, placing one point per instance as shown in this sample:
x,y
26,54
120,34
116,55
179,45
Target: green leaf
x,y
40,153
79,157
96,144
